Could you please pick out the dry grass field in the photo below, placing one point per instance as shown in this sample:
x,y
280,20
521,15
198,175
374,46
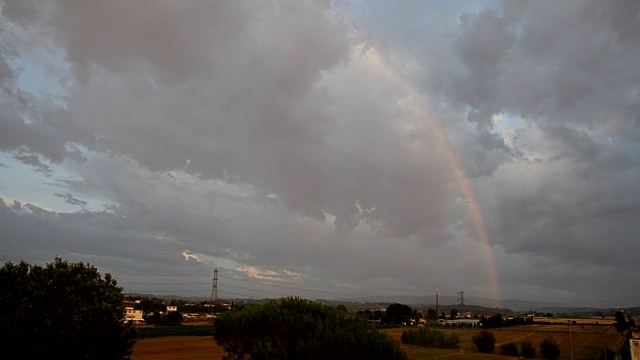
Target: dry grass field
x,y
178,348
586,341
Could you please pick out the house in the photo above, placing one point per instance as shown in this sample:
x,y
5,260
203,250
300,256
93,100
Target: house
x,y
171,308
133,316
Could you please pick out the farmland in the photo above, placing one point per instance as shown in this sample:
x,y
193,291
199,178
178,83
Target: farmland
x,y
586,341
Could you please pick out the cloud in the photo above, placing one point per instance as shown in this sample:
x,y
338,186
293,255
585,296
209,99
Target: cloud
x,y
34,160
188,255
272,138
270,275
70,199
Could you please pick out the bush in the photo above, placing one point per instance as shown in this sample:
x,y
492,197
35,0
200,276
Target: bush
x,y
62,311
549,349
527,350
174,318
485,342
294,328
430,338
509,349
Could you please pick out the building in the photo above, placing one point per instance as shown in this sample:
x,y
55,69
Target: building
x,y
171,308
133,316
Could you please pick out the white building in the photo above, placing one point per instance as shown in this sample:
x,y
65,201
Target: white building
x,y
133,316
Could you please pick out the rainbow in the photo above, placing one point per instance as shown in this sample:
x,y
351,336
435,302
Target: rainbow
x,y
481,228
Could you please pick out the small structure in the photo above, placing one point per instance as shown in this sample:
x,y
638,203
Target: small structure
x,y
133,316
171,308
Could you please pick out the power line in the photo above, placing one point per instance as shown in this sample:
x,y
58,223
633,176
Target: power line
x,y
460,296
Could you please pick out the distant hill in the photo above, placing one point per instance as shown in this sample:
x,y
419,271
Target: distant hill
x,y
481,306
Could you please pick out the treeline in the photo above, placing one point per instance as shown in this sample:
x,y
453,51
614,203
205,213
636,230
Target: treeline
x,y
497,321
153,305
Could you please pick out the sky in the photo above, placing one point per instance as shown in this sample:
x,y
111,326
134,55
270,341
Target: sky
x,y
327,149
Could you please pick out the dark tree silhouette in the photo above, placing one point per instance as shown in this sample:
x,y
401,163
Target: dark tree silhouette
x,y
549,349
294,328
485,342
620,322
62,311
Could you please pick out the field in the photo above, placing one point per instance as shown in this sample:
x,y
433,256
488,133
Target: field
x,y
178,348
586,340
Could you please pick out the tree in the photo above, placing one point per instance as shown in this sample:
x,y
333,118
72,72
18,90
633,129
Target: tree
x,y
509,349
549,349
430,338
62,311
342,309
485,342
397,313
527,350
294,328
174,318
151,306
454,313
432,314
620,322
494,321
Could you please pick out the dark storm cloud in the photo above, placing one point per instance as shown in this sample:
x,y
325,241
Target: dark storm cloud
x,y
552,92
208,129
243,100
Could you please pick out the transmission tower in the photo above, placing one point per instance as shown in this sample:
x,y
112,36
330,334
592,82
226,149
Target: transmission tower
x,y
437,313
461,299
214,290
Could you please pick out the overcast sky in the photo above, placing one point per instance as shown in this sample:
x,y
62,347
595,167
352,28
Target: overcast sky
x,y
327,149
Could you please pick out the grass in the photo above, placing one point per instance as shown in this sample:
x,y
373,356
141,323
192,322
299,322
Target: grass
x,y
183,348
586,341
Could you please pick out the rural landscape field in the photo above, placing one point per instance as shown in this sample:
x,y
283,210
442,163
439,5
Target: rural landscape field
x,y
587,343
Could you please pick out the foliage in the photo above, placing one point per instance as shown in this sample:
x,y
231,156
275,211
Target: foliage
x,y
294,328
62,311
430,338
527,350
485,342
342,309
156,318
549,349
397,313
509,349
620,322
454,313
173,318
494,321
153,305
182,330
432,314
